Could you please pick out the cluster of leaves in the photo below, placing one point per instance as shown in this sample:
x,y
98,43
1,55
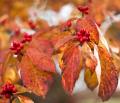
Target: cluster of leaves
x,y
73,43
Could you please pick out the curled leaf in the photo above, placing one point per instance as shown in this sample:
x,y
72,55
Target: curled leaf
x,y
109,75
90,79
10,72
72,64
90,60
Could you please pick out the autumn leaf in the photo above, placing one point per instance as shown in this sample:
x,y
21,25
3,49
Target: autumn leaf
x,y
20,89
90,60
72,64
4,100
105,7
43,45
90,79
33,78
22,99
9,67
88,24
116,60
4,40
16,100
90,76
61,42
41,60
109,75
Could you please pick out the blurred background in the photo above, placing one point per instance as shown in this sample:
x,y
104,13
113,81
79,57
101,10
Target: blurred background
x,y
52,13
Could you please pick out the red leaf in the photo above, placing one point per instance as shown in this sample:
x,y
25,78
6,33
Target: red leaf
x,y
61,42
72,64
41,60
35,80
109,75
43,45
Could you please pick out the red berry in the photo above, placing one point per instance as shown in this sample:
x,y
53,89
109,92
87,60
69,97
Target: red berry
x,y
83,9
16,47
8,89
27,38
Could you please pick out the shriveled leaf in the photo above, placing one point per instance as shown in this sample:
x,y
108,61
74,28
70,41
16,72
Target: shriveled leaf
x,y
41,60
71,67
35,80
109,75
89,25
90,79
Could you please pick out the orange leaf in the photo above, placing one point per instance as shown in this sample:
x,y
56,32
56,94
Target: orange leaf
x,y
90,65
41,60
4,100
109,75
89,25
72,64
9,67
90,79
35,80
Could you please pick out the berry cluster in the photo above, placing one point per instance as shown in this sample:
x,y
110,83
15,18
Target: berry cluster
x,y
83,36
27,38
83,9
16,47
8,89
